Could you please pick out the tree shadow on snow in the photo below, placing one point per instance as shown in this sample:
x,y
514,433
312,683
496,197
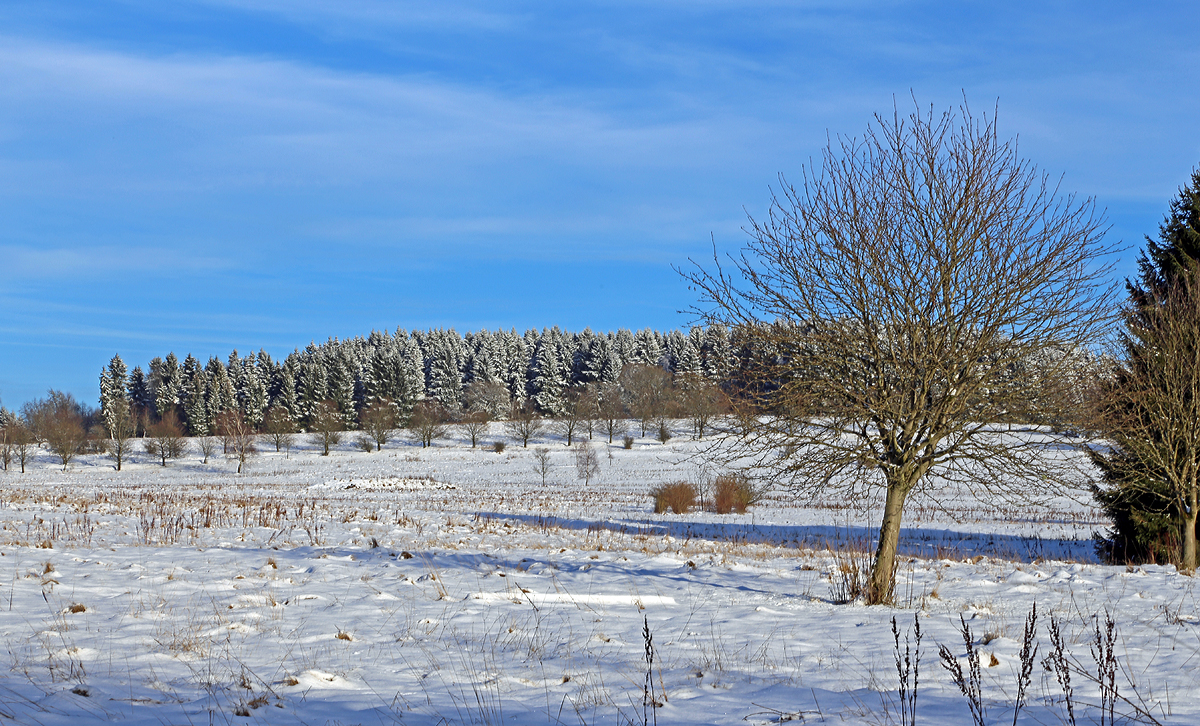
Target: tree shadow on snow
x,y
920,542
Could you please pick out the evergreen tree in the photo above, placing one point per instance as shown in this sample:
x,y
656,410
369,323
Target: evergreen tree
x,y
647,349
342,386
113,396
624,344
256,398
140,394
445,358
410,381
286,397
1148,520
313,387
196,409
221,396
586,358
717,352
193,393
517,361
551,373
166,381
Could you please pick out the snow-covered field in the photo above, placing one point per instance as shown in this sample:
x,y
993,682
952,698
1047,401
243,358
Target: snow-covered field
x,y
449,585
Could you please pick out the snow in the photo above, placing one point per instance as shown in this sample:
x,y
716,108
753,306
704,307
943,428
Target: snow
x,y
449,585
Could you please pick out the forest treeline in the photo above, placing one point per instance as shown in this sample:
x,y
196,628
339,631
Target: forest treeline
x,y
485,370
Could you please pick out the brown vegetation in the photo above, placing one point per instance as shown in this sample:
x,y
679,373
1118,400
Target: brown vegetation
x,y
679,497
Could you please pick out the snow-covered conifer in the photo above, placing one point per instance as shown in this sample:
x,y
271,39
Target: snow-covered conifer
x,y
167,383
647,350
112,390
221,396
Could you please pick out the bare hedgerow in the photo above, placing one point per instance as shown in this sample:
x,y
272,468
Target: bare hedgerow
x,y
679,497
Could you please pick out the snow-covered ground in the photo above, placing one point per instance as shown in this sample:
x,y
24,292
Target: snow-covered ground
x,y
450,585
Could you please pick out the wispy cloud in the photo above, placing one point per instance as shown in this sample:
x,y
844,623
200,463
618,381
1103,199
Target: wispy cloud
x,y
23,264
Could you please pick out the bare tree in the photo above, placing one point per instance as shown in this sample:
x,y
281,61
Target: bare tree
x,y
487,396
122,427
325,429
240,436
541,462
379,422
474,424
6,448
571,421
647,390
164,438
18,444
523,423
428,422
589,408
23,443
207,446
701,401
1152,408
889,298
611,410
587,463
280,428
59,421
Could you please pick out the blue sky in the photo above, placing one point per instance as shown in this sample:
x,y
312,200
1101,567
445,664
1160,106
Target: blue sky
x,y
205,175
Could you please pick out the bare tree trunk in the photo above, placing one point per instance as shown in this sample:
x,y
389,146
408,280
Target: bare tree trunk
x,y
1189,534
881,586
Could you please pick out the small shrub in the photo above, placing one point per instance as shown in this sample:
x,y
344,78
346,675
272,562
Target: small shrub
x,y
499,446
664,432
365,443
678,496
732,493
627,441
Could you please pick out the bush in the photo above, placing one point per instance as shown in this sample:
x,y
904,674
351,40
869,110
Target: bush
x,y
733,493
678,496
627,441
499,446
664,432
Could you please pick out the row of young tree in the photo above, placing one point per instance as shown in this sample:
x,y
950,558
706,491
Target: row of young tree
x,y
648,394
